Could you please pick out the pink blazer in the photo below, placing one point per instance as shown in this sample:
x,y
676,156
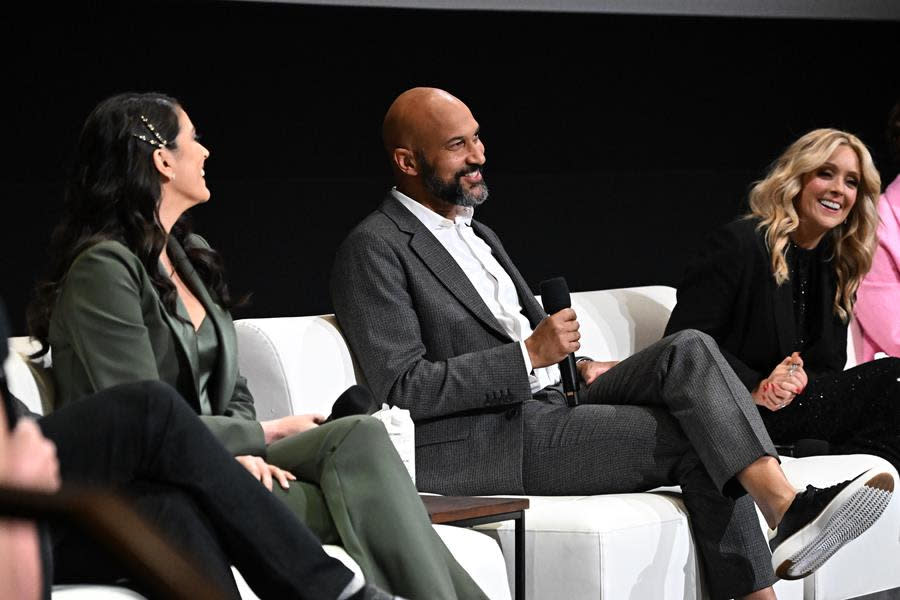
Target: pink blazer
x,y
878,299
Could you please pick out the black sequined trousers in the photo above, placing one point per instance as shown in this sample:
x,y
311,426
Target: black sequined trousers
x,y
856,411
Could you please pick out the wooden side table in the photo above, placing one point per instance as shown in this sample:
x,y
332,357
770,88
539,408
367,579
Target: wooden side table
x,y
468,511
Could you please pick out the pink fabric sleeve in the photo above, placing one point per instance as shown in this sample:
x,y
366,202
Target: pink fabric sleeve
x,y
878,299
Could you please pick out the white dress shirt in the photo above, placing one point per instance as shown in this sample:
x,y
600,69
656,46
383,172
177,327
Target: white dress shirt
x,y
489,279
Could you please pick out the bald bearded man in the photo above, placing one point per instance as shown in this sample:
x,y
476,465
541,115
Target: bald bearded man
x,y
443,324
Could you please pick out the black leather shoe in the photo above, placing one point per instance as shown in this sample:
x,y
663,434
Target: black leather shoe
x,y
820,521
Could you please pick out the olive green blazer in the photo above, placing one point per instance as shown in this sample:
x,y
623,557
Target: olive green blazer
x,y
110,327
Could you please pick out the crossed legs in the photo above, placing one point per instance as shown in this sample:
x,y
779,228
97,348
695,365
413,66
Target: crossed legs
x,y
350,467
673,413
145,438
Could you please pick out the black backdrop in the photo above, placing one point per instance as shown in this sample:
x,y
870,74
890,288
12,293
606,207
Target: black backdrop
x,y
614,142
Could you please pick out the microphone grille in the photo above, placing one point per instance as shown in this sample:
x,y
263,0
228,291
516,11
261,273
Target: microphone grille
x,y
555,295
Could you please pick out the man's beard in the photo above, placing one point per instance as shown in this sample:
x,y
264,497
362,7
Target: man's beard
x,y
453,191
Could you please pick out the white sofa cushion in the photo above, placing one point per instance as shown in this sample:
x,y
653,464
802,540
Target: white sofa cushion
x,y
248,594
294,365
610,546
93,592
19,377
481,557
614,324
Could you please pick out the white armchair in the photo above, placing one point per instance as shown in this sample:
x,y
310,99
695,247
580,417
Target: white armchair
x,y
297,365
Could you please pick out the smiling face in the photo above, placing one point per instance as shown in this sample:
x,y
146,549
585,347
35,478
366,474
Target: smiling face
x,y
827,196
435,148
183,181
189,178
451,163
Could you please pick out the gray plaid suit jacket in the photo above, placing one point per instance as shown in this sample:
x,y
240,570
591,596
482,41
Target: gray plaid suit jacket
x,y
427,342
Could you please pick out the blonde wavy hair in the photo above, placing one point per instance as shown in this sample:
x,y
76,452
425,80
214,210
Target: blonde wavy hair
x,y
853,242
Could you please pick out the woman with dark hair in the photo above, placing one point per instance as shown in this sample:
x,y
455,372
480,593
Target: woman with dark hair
x,y
134,295
879,293
776,290
141,440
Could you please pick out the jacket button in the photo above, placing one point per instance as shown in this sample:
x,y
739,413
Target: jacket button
x,y
512,412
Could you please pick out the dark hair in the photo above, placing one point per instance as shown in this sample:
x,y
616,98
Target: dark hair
x,y
113,193
893,133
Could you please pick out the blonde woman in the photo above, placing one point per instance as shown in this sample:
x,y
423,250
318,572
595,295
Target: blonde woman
x,y
776,290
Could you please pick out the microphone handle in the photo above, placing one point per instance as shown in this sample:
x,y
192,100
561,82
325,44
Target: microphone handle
x,y
569,375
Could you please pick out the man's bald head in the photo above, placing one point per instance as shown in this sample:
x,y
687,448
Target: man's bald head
x,y
416,115
434,146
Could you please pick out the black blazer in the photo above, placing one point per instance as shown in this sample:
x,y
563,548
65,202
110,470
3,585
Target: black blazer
x,y
729,292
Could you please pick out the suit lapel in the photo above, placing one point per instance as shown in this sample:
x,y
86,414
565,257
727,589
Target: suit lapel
x,y
782,301
827,285
783,309
440,263
223,379
181,330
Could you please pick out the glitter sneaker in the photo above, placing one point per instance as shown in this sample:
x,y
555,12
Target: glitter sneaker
x,y
820,521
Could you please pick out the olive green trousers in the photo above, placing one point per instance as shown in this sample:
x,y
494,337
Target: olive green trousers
x,y
353,490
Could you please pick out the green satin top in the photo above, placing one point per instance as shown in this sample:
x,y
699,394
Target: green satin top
x,y
204,345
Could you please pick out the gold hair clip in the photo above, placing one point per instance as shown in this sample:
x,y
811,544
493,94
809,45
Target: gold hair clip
x,y
159,142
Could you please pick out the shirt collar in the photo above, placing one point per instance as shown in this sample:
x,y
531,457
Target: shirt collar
x,y
428,217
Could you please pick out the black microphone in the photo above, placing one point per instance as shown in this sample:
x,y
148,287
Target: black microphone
x,y
356,400
555,296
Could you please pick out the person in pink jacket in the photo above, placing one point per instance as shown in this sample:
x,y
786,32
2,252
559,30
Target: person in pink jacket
x,y
878,298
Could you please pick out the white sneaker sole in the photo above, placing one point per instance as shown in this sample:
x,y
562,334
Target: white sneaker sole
x,y
848,515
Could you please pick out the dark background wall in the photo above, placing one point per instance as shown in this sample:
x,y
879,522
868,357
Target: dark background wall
x,y
614,142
